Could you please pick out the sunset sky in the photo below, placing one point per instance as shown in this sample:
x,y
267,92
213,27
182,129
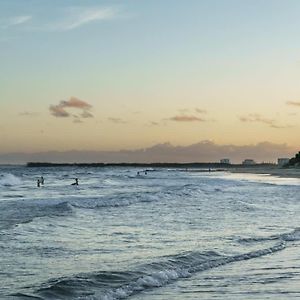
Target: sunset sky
x,y
112,75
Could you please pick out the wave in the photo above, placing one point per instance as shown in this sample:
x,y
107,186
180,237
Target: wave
x,y
287,237
151,194
13,214
13,196
26,210
121,285
122,199
9,180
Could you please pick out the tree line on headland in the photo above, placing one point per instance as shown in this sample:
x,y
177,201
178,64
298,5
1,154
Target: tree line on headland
x,y
295,161
213,165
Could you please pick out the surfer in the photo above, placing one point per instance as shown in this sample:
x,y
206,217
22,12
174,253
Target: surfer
x,y
38,183
76,182
42,180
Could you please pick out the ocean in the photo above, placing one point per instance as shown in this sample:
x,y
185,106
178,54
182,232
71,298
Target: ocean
x,y
167,234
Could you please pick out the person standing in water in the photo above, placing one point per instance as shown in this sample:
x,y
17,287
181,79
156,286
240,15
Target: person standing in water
x,y
38,183
42,180
76,182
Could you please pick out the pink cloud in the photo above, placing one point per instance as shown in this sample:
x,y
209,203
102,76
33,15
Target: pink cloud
x,y
76,103
60,110
294,103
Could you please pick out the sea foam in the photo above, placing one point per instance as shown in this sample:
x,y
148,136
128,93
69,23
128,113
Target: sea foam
x,y
9,180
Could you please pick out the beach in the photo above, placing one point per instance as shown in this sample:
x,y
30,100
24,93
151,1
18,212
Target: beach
x,y
271,170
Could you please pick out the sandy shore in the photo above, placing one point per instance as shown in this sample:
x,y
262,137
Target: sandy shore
x,y
272,170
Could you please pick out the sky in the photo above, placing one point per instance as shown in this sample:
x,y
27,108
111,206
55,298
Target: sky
x,y
92,75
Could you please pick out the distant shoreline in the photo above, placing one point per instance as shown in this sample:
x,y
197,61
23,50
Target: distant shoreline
x,y
191,165
264,168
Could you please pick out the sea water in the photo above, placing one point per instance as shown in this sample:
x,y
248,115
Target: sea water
x,y
167,234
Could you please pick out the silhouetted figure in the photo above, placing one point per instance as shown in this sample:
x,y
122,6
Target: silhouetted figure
x,y
38,183
76,182
138,173
42,180
146,173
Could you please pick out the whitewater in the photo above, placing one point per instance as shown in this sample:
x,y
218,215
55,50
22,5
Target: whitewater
x,y
166,234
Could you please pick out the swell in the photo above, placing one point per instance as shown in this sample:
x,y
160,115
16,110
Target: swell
x,y
20,212
115,200
132,197
287,237
17,212
26,210
121,285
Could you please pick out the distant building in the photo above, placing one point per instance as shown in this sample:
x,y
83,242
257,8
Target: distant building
x,y
249,162
282,161
225,161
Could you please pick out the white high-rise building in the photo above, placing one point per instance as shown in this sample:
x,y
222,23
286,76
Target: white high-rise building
x,y
225,161
249,162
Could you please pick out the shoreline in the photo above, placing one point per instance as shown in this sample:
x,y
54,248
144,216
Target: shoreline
x,y
264,168
274,171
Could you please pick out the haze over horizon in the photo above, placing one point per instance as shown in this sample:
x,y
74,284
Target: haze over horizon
x,y
123,78
205,151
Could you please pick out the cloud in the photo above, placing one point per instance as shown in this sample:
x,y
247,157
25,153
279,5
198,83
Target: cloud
x,y
183,110
294,103
15,21
69,19
186,118
204,151
185,115
252,118
19,20
78,16
86,114
60,111
28,114
117,120
200,111
76,119
154,123
76,103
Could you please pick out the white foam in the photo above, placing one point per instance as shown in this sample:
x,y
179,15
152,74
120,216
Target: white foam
x,y
291,237
9,180
262,178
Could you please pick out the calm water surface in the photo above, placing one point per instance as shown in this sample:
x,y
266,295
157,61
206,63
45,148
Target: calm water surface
x,y
165,235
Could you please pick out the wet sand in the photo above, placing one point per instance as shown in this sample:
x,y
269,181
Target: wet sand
x,y
272,170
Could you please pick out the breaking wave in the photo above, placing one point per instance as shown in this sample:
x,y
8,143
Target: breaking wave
x,y
121,285
25,211
14,214
9,180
